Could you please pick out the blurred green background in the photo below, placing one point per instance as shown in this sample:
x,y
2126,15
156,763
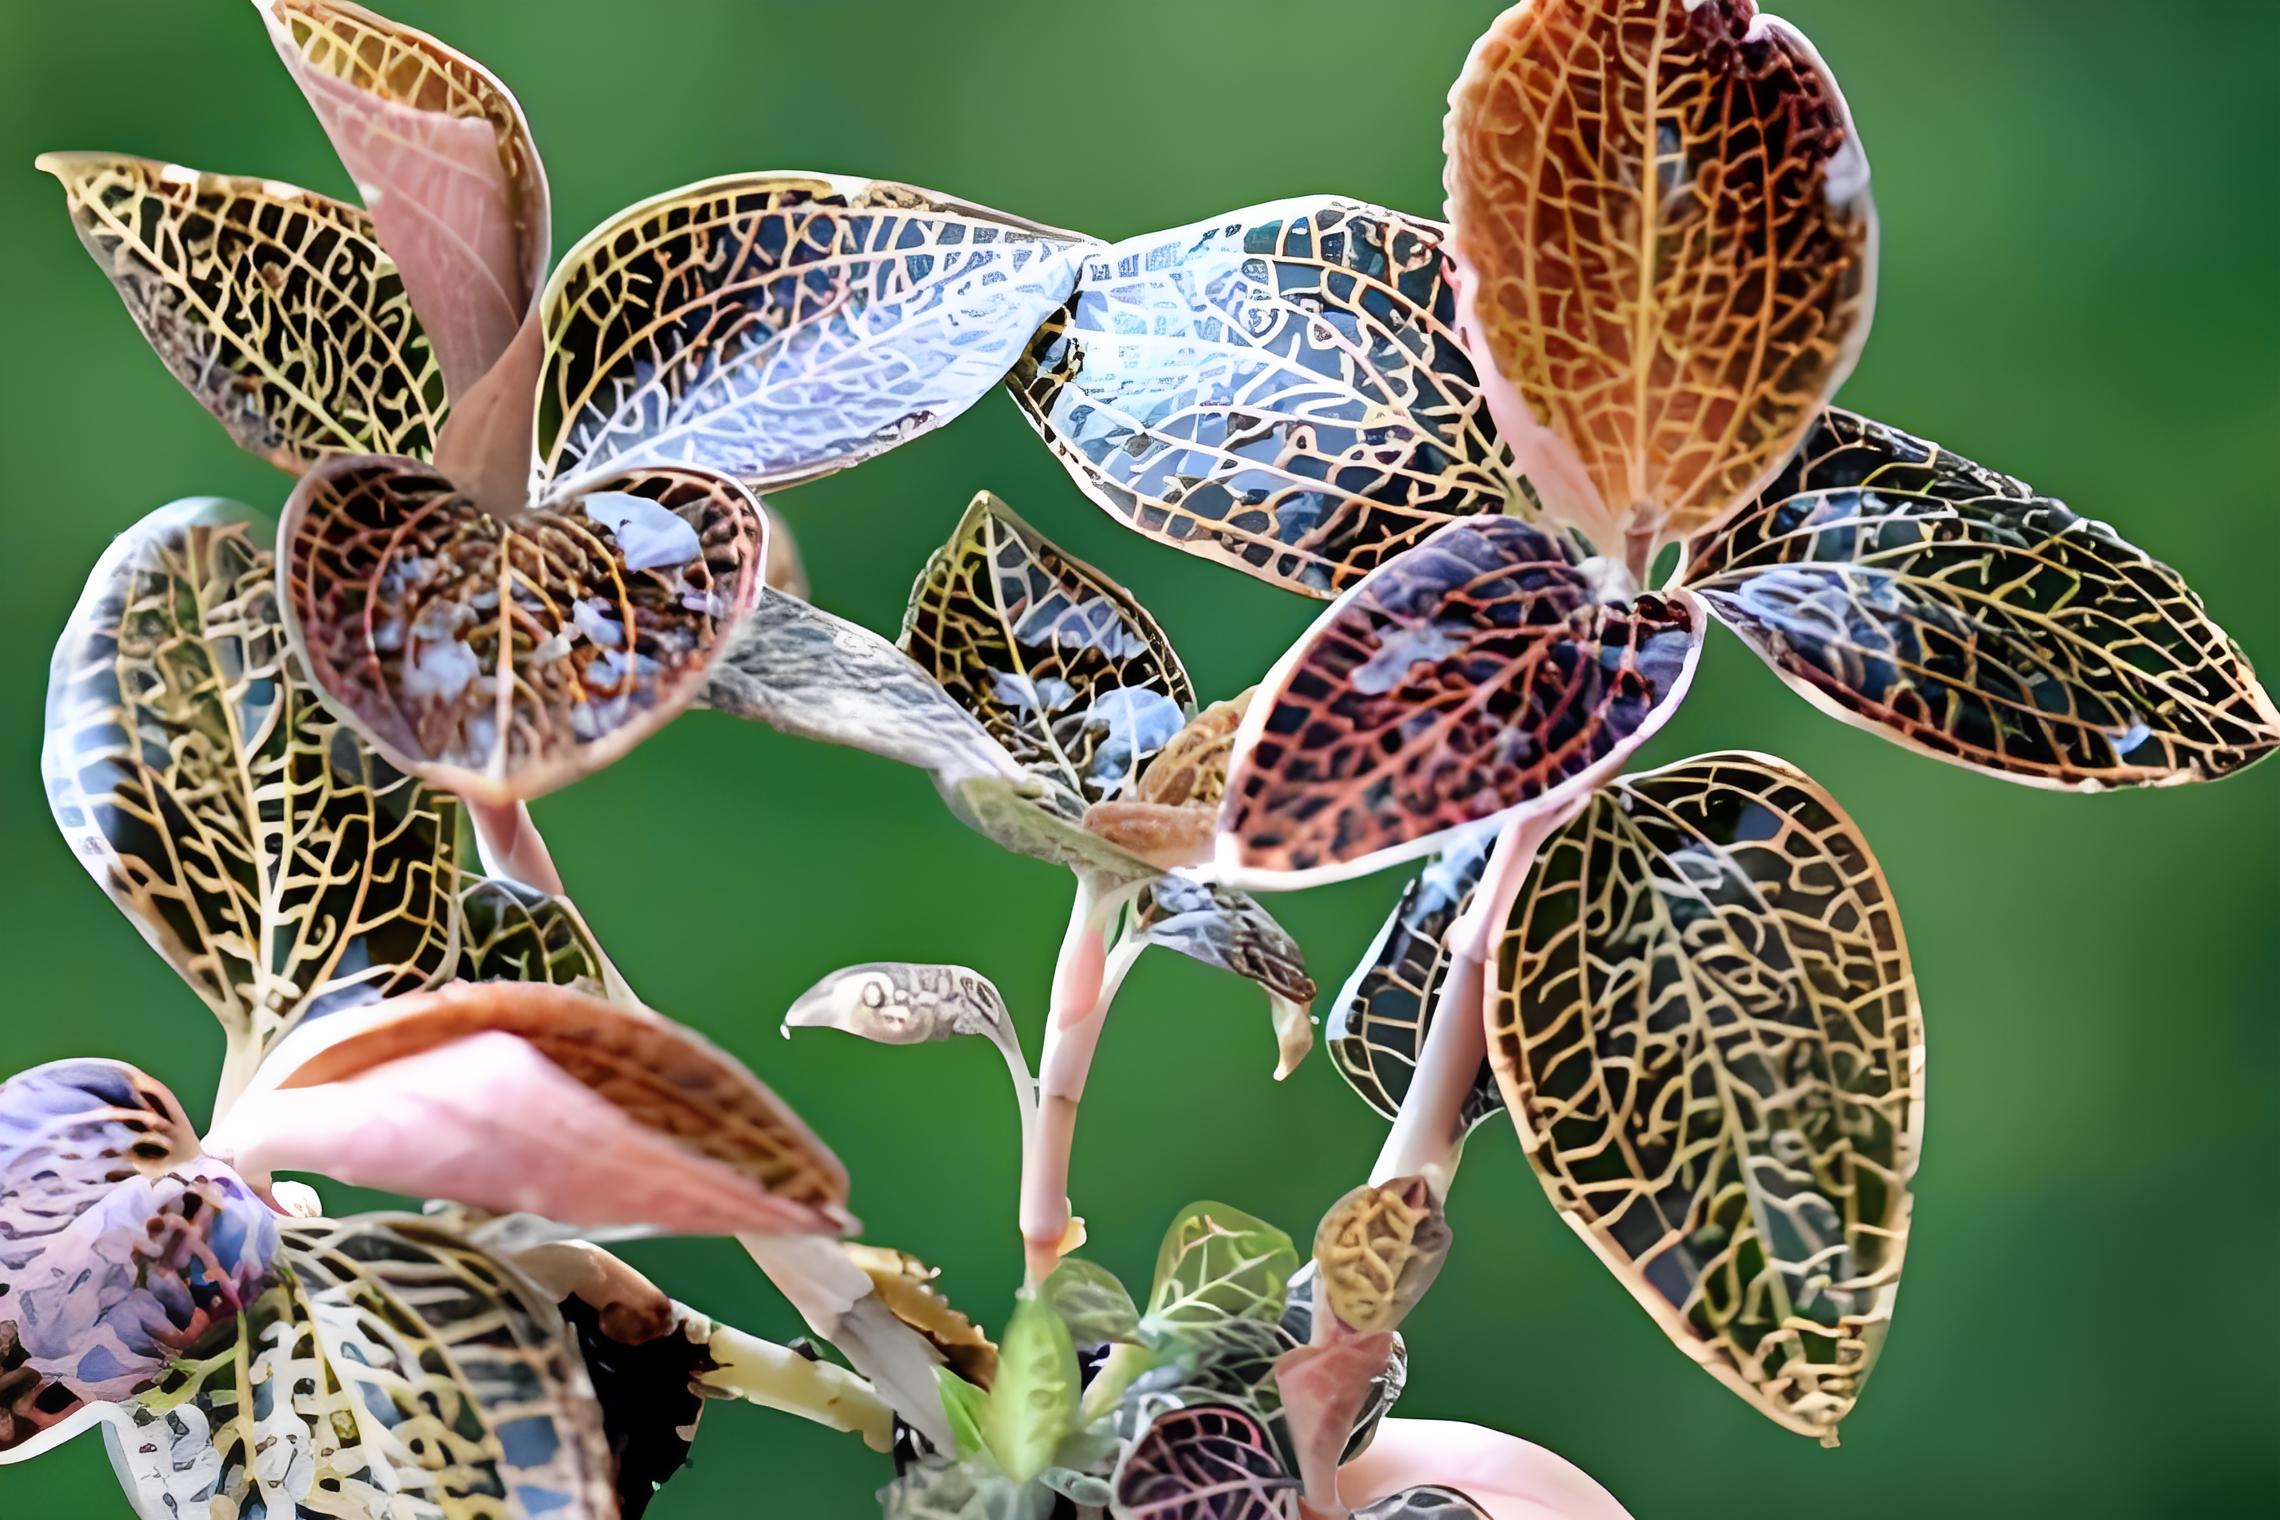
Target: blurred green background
x,y
2078,289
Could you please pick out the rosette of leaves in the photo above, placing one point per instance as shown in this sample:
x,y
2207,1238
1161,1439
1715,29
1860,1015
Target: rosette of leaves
x,y
1178,1407
1057,719
526,520
1530,482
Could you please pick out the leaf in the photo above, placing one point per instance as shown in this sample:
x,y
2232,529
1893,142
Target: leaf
x,y
965,1406
778,327
1280,389
1378,1251
1662,217
1034,1400
898,1003
281,869
513,933
121,1247
1325,1387
1191,770
505,656
1091,1302
1914,594
1228,929
1504,1477
905,1285
1219,1263
1706,1029
1297,1329
275,306
443,157
1378,1024
1488,670
524,1098
1211,1462
1061,665
392,1369
1423,1504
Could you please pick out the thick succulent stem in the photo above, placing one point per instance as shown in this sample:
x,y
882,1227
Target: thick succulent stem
x,y
777,1377
1085,978
511,847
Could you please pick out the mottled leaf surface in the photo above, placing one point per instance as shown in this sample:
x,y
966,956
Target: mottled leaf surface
x,y
1484,671
1228,929
1378,1025
391,1369
1706,1029
284,870
505,656
1918,595
1662,215
904,1003
777,327
1208,1462
274,306
1059,662
1377,1252
1280,389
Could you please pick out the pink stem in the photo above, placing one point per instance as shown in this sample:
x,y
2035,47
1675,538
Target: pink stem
x,y
1428,1136
511,846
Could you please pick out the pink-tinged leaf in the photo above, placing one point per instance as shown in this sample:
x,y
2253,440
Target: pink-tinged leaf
x,y
1505,1477
1489,669
527,1098
1324,1387
504,656
1666,252
122,1249
1204,1462
444,159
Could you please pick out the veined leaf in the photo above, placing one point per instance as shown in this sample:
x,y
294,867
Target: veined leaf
x,y
1912,593
778,327
1034,1400
808,673
1091,1302
1228,929
1208,1462
1280,389
1059,662
276,864
274,306
445,159
1325,1387
391,1366
512,933
1706,1029
1378,1025
525,1098
1662,216
1487,670
899,1003
121,1247
1377,1252
505,656
1218,1263
1191,770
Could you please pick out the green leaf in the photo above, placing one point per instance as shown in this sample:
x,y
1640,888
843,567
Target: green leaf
x,y
1219,1263
965,1405
1091,1303
1035,1399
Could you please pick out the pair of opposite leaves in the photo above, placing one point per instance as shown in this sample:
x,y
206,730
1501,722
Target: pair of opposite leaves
x,y
526,520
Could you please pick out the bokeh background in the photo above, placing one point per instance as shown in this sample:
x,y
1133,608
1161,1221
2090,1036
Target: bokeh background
x,y
2078,289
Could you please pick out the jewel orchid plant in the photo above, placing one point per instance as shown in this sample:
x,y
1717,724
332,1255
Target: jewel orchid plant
x,y
1528,454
